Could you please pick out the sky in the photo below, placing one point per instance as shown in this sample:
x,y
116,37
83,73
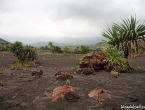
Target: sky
x,y
33,21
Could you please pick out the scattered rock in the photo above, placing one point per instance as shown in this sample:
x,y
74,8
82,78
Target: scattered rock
x,y
114,73
30,79
37,72
59,92
54,68
2,83
97,95
1,99
91,63
72,97
62,75
132,99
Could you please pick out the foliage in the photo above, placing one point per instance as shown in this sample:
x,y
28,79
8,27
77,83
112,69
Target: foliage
x,y
46,47
141,49
23,52
82,50
15,47
74,67
77,50
66,49
42,47
127,36
52,48
21,65
30,52
4,46
57,49
114,59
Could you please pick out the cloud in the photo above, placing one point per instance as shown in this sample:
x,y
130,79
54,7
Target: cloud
x,y
63,18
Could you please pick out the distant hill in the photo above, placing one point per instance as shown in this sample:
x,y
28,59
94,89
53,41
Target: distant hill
x,y
3,46
67,41
3,41
40,44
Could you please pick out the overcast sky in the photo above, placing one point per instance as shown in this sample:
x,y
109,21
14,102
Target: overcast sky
x,y
41,20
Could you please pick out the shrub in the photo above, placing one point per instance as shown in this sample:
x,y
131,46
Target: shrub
x,y
82,50
16,47
54,48
66,49
42,47
23,53
57,49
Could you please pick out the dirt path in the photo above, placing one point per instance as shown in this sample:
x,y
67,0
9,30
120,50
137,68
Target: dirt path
x,y
21,91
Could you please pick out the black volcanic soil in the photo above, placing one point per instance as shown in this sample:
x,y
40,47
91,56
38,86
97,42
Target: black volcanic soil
x,y
21,91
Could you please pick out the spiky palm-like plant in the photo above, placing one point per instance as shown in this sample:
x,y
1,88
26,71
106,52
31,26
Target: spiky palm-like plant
x,y
127,36
113,38
132,35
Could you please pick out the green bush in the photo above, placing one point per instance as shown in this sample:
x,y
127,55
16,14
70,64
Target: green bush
x,y
66,49
57,49
43,48
16,47
53,48
23,52
82,50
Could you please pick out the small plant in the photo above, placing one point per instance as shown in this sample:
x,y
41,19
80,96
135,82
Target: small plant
x,y
115,59
24,69
22,65
12,67
45,93
74,67
67,82
17,65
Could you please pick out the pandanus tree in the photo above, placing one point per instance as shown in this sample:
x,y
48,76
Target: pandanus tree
x,y
127,36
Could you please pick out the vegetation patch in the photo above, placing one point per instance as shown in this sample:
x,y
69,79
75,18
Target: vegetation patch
x,y
23,53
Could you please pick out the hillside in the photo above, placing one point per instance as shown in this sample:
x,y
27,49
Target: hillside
x,y
3,41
